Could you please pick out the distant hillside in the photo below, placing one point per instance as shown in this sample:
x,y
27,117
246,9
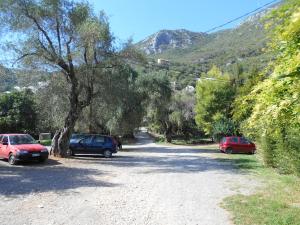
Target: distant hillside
x,y
11,78
8,79
170,39
189,54
223,47
243,44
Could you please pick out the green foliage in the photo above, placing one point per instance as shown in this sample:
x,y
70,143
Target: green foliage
x,y
182,113
117,109
214,95
156,90
46,142
223,127
242,105
18,112
275,118
52,103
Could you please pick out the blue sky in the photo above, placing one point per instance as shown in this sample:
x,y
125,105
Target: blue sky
x,y
141,18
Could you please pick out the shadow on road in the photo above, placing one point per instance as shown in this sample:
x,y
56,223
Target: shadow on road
x,y
30,178
175,161
145,155
154,158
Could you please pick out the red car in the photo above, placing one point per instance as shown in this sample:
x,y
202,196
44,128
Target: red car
x,y
236,144
21,147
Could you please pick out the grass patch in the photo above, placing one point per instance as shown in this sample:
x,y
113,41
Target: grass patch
x,y
179,140
46,142
277,203
191,141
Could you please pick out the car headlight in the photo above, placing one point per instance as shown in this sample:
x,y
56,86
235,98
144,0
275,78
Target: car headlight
x,y
44,150
22,151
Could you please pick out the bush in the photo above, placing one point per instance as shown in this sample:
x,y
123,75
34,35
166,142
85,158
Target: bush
x,y
281,150
223,127
18,112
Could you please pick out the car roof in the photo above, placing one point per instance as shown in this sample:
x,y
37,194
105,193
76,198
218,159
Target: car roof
x,y
92,135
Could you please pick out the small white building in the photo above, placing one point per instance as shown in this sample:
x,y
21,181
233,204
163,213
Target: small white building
x,y
163,62
189,89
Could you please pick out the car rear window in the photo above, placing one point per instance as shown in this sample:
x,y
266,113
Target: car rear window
x,y
86,140
244,141
234,140
99,139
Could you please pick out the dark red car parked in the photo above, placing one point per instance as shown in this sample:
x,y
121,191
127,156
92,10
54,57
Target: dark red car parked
x,y
236,144
21,147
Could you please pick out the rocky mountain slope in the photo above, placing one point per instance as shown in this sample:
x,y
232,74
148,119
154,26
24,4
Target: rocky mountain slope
x,y
170,39
245,42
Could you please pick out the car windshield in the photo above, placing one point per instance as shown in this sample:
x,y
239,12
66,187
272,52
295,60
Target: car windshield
x,y
21,139
77,137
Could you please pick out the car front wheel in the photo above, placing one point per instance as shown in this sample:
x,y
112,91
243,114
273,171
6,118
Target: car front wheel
x,y
12,159
107,153
71,152
42,160
229,150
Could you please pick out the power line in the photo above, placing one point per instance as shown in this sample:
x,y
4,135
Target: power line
x,y
240,17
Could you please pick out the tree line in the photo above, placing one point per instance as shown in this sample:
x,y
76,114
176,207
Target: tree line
x,y
95,85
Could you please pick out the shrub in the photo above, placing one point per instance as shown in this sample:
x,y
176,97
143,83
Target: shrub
x,y
223,127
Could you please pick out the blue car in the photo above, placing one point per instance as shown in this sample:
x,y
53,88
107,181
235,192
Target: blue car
x,y
92,144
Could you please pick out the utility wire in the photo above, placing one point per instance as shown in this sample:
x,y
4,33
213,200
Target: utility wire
x,y
240,17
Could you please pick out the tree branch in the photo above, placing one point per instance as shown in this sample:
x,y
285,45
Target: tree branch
x,y
85,56
58,36
70,60
24,56
95,56
40,28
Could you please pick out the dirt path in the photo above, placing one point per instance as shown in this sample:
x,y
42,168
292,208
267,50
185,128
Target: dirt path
x,y
147,184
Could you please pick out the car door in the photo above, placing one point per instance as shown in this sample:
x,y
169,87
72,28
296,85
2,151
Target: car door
x,y
4,151
1,153
245,145
84,145
234,143
98,144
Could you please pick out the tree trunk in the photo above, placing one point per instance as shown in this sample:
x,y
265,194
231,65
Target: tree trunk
x,y
91,124
61,140
168,134
129,135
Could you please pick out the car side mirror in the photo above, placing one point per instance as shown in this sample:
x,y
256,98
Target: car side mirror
x,y
5,143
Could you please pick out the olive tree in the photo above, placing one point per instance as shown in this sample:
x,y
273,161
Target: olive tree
x,y
65,36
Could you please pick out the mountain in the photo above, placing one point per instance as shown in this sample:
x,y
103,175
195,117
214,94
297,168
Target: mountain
x,y
243,44
186,54
167,39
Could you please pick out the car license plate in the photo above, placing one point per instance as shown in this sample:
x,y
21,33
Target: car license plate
x,y
35,154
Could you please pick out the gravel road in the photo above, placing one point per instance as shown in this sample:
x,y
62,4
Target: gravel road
x,y
146,184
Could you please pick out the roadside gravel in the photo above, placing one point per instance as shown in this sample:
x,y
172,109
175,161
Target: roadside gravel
x,y
146,184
